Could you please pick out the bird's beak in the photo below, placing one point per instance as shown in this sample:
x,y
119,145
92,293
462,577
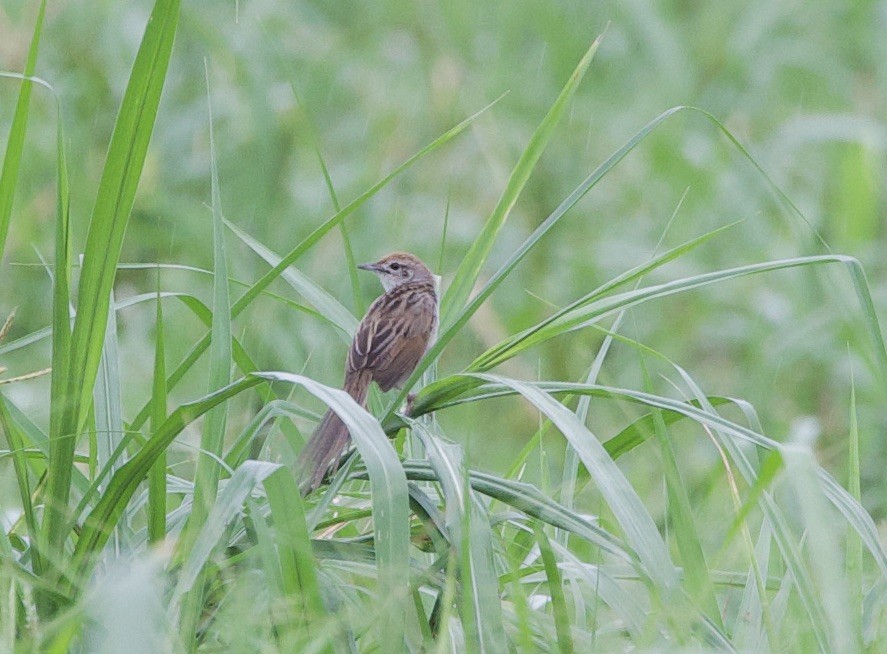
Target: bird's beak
x,y
372,267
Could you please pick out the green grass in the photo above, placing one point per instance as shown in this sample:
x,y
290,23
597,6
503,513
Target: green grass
x,y
652,417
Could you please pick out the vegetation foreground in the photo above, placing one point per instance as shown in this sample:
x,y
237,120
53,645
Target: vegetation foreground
x,y
117,543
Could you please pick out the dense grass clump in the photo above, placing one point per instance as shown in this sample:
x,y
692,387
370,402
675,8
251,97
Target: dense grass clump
x,y
580,469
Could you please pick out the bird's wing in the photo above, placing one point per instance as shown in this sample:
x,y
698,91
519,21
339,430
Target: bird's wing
x,y
373,337
393,336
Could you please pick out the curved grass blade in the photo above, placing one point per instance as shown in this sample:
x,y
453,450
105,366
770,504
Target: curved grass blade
x,y
529,500
488,359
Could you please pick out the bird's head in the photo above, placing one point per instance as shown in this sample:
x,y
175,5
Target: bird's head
x,y
398,268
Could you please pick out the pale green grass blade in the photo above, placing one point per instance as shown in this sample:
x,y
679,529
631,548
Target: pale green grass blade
x,y
389,500
698,583
555,592
98,525
633,517
824,555
206,477
318,298
572,464
785,540
47,332
16,141
748,631
488,359
120,176
298,573
38,441
208,472
610,591
273,410
853,545
469,531
469,269
157,476
108,412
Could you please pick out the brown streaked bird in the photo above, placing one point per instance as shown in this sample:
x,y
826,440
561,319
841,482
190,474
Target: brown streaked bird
x,y
393,336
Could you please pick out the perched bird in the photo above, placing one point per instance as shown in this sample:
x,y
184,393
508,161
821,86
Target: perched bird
x,y
396,331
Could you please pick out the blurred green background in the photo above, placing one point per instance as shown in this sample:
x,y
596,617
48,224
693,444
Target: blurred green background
x,y
801,86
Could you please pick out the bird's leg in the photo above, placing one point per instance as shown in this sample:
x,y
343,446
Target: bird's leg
x,y
408,407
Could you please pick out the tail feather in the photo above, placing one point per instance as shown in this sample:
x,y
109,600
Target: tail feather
x,y
321,454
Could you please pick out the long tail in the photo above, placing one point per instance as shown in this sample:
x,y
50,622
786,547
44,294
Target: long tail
x,y
321,454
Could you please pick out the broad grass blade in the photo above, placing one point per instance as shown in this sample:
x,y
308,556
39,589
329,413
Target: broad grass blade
x,y
120,176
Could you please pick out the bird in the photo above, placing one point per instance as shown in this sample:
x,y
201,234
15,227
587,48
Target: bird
x,y
392,338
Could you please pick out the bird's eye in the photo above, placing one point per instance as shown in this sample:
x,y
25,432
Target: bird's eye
x,y
394,266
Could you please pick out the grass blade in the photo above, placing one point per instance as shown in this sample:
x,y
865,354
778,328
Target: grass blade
x,y
106,403
698,581
591,308
227,506
17,445
530,500
157,476
298,572
15,144
555,592
120,176
854,546
206,477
